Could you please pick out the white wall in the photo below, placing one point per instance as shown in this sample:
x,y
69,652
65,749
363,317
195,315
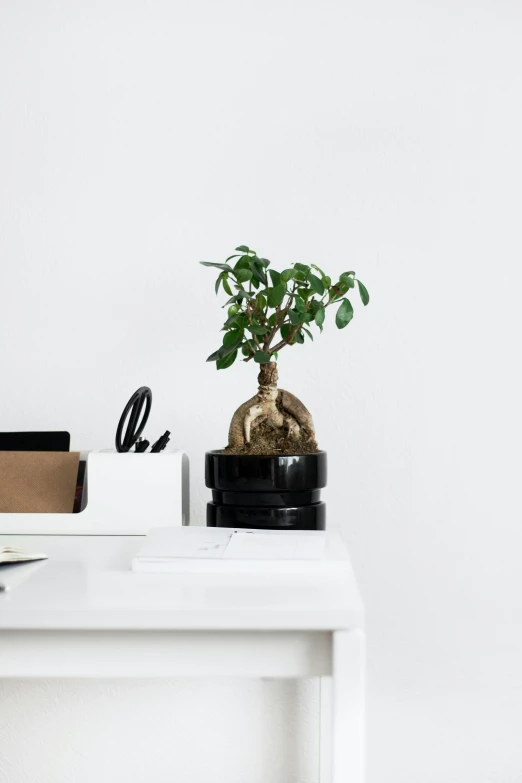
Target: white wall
x,y
137,139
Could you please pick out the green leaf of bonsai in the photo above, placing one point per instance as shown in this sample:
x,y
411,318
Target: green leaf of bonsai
x,y
214,356
218,283
232,320
242,263
258,271
299,338
276,277
226,361
232,337
225,267
255,329
232,300
302,268
294,316
300,305
347,279
226,286
309,333
287,274
319,316
365,296
276,295
228,349
243,249
344,314
316,284
242,275
261,357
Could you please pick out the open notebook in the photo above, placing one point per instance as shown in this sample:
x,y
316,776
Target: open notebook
x,y
8,554
204,549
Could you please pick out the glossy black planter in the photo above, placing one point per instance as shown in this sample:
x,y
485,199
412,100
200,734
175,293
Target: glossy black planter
x,y
266,492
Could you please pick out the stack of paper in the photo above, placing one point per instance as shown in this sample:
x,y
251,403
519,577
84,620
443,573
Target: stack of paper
x,y
204,549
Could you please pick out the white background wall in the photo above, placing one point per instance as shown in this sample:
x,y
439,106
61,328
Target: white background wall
x,y
139,138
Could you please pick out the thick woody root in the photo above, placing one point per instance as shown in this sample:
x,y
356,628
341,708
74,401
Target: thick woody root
x,y
272,421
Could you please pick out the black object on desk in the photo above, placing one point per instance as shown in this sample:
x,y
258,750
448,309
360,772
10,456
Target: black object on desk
x,y
142,398
35,441
138,406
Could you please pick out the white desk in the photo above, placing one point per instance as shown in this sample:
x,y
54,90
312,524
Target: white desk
x,y
83,613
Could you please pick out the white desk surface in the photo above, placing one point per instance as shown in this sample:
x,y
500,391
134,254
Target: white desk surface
x,y
87,584
84,613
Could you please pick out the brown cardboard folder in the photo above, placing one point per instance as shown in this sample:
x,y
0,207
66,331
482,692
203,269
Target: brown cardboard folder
x,y
38,481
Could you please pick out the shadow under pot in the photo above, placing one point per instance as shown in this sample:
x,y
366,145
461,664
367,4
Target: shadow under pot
x,y
266,492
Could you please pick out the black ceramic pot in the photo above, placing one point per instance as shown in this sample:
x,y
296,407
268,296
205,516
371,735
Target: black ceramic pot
x,y
266,492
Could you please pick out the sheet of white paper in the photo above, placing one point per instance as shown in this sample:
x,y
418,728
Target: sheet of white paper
x,y
201,543
264,546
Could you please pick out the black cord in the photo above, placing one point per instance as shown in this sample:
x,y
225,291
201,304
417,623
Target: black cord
x,y
140,399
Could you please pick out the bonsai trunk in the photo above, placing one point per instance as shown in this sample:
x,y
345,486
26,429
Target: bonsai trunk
x,y
273,421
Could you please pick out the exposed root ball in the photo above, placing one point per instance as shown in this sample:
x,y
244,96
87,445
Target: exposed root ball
x,y
272,422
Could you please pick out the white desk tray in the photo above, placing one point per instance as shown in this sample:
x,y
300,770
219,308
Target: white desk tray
x,y
127,494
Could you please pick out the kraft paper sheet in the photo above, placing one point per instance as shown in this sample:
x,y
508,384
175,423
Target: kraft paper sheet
x,y
38,481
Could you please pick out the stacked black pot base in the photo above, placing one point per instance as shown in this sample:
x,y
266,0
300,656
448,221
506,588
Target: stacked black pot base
x,y
265,492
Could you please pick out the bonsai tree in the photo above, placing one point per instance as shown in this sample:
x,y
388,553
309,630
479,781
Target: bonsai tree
x,y
268,311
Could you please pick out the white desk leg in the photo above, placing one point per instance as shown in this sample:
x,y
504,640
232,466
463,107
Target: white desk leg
x,y
325,729
342,712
